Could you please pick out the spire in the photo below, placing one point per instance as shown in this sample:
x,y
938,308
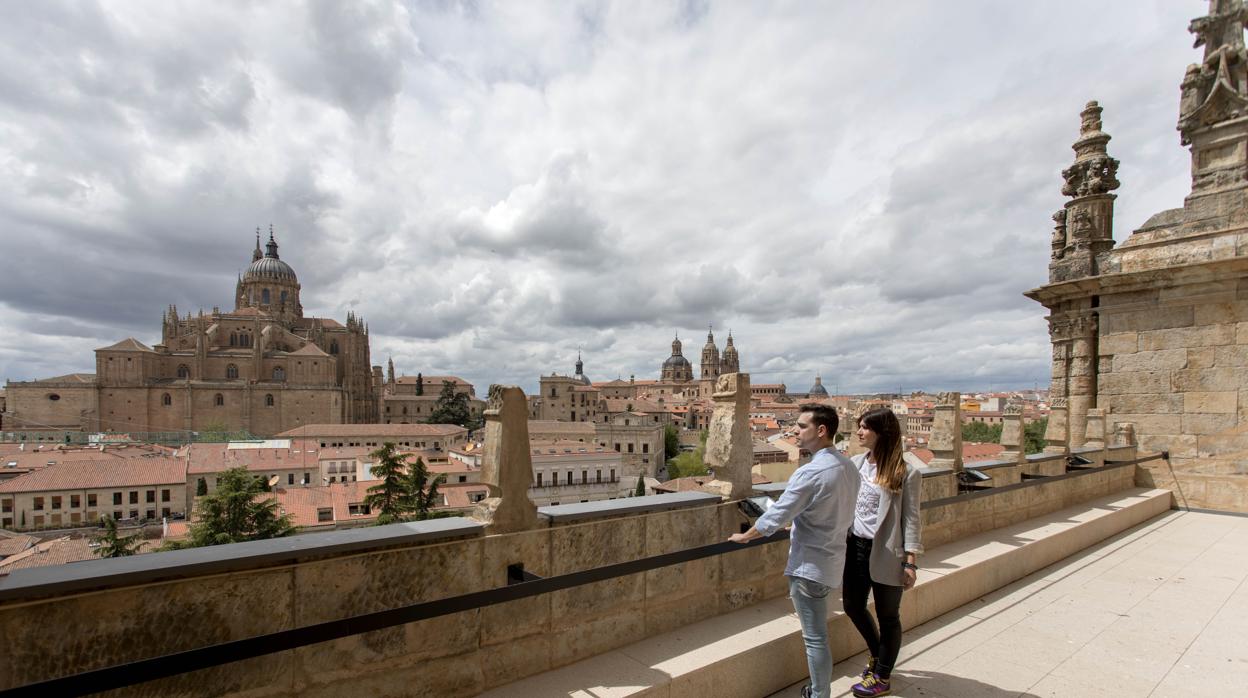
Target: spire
x,y
390,370
255,255
710,333
580,365
271,246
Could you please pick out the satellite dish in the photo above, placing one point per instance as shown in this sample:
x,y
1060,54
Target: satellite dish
x,y
274,480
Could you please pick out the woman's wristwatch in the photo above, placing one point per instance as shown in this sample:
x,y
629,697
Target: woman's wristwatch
x,y
910,566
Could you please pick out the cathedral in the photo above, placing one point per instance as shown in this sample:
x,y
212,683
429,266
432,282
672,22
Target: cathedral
x,y
262,367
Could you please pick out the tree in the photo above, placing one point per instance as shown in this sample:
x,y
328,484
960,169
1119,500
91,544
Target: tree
x,y
452,408
688,463
641,486
114,545
237,511
422,491
406,491
201,487
979,432
1033,436
389,497
420,384
671,442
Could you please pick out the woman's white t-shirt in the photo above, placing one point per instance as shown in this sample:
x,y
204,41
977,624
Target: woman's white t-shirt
x,y
867,512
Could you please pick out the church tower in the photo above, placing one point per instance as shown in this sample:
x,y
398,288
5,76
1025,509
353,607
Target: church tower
x,y
731,363
710,358
676,368
270,285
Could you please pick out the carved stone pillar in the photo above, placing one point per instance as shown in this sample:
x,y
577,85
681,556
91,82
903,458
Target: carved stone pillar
x,y
1058,431
729,446
1124,434
1095,433
1081,378
506,464
946,439
1012,434
1088,223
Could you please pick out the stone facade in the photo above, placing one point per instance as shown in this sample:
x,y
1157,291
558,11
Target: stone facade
x,y
262,367
1154,332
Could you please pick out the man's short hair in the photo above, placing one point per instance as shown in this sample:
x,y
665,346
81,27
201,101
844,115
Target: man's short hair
x,y
823,415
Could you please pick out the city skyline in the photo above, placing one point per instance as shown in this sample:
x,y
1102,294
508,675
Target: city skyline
x,y
492,191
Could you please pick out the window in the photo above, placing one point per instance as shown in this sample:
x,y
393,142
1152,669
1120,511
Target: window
x,y
268,400
598,476
56,501
645,448
75,501
325,514
231,372
265,297
290,478
8,506
38,504
233,339
279,373
116,515
134,513
283,297
151,513
90,500
164,513
552,392
617,448
134,497
569,477
166,399
219,400
463,478
333,347
630,448
116,499
539,484
584,477
184,371
151,496
613,475
164,495
38,520
307,477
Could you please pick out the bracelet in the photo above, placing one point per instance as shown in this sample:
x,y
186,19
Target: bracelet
x,y
910,566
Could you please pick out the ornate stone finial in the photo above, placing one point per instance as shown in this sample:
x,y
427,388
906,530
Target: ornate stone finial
x,y
950,398
506,464
729,447
1124,433
1216,90
1093,172
1058,243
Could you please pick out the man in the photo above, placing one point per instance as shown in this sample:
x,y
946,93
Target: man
x,y
819,500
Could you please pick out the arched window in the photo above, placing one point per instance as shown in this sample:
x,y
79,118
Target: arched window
x,y
184,371
552,392
283,297
233,339
231,371
166,399
268,400
264,296
279,373
333,347
220,400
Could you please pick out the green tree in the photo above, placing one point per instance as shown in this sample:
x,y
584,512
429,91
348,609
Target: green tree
x,y
1033,436
641,486
237,511
389,498
452,408
979,432
688,463
422,491
671,441
201,487
114,545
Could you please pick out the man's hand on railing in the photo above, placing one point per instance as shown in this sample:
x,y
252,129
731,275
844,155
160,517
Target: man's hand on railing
x,y
745,537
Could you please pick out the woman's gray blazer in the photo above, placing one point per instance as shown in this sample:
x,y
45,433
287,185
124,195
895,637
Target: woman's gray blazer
x,y
901,527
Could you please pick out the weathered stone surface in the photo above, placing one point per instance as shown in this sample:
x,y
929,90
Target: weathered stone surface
x,y
1144,403
729,446
1056,431
1161,360
1012,434
1204,336
1095,434
945,440
1208,423
1135,382
503,623
507,464
1121,343
1211,402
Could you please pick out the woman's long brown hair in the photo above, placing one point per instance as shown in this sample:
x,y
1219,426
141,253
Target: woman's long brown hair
x,y
890,468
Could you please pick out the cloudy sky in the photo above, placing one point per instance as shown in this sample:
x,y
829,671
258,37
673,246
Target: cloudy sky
x,y
857,189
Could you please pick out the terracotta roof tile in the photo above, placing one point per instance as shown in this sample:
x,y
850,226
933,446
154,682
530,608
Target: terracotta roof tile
x,y
100,474
347,430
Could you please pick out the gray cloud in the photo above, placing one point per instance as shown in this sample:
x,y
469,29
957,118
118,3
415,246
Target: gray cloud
x,y
855,192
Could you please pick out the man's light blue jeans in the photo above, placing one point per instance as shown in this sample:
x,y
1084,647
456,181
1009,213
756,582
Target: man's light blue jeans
x,y
810,600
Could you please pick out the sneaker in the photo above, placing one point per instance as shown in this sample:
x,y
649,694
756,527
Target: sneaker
x,y
869,669
871,686
807,691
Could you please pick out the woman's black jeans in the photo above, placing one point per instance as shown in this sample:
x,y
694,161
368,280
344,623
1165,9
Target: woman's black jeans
x,y
884,642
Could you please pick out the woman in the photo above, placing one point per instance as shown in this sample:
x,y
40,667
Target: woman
x,y
883,544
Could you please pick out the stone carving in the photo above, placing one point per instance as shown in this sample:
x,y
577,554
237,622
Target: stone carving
x,y
729,446
1013,408
1057,433
1094,172
946,437
1215,90
1124,434
1058,242
1094,436
1064,328
1012,434
506,464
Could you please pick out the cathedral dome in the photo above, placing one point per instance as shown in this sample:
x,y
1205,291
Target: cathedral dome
x,y
580,376
817,388
269,268
677,361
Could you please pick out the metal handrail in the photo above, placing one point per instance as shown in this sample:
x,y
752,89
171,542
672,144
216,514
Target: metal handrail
x,y
143,670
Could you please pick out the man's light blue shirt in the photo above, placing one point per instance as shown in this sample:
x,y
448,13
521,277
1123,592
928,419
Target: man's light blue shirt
x,y
819,500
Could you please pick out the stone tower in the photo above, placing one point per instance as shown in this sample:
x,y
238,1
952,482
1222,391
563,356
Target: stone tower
x,y
730,362
676,367
1151,333
710,358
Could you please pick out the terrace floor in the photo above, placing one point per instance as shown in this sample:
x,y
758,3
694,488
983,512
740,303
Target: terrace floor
x,y
1159,610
